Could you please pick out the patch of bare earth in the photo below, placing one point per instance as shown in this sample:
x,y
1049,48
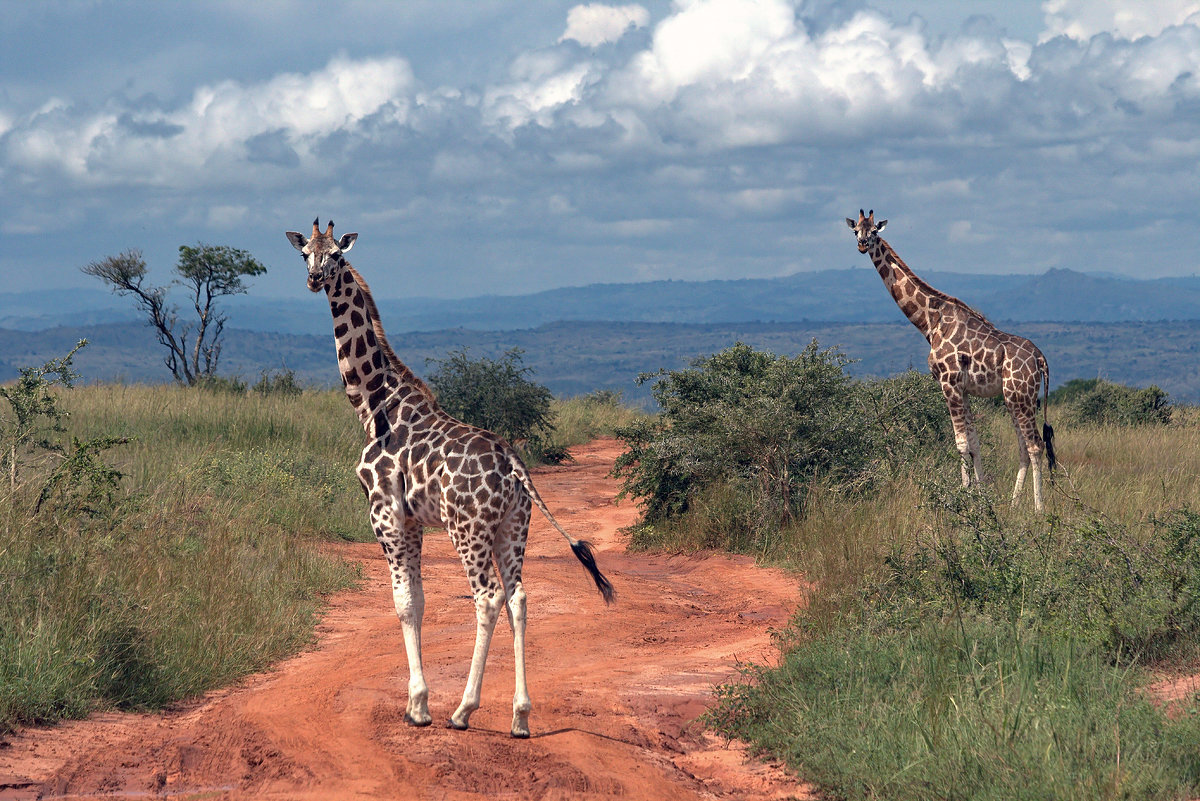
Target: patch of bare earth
x,y
616,691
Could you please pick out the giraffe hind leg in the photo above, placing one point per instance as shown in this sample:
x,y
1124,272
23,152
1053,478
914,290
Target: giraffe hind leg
x,y
475,549
510,554
1031,447
1023,461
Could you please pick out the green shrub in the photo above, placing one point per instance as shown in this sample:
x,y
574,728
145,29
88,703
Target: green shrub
x,y
185,568
1100,402
229,385
1131,597
743,435
496,394
282,382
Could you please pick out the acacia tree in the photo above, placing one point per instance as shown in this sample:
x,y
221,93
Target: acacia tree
x,y
208,272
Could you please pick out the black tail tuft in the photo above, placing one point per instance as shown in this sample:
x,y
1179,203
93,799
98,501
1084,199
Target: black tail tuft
x,y
583,552
1048,438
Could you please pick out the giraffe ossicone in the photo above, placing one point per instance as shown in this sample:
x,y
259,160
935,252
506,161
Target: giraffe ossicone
x,y
421,467
969,356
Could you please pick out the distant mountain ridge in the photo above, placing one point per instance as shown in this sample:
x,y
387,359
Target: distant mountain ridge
x,y
573,358
850,296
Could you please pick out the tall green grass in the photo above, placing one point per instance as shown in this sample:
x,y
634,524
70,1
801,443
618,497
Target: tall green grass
x,y
208,564
205,568
584,418
963,712
955,647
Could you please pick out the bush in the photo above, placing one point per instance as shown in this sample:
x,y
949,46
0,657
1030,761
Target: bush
x,y
1099,402
495,394
973,713
215,383
743,434
1130,597
282,382
193,570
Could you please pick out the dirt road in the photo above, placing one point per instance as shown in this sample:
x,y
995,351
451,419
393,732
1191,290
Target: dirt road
x,y
616,691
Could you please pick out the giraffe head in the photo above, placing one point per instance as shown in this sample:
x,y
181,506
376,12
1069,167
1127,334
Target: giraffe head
x,y
322,253
866,230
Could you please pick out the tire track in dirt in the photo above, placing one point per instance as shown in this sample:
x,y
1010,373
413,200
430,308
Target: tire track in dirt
x,y
616,691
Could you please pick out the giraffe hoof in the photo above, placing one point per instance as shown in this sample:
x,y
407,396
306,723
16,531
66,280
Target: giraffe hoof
x,y
520,735
411,721
450,724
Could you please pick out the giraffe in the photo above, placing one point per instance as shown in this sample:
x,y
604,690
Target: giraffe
x,y
421,467
969,356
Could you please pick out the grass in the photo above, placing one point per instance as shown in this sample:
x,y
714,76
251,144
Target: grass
x,y
206,566
955,647
970,712
584,418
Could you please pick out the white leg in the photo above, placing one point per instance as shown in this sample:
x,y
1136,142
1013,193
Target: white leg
x,y
1023,457
409,598
521,702
972,440
510,557
488,601
401,544
1036,461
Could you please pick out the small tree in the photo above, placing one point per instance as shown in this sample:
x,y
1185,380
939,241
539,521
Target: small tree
x,y
493,394
77,478
209,272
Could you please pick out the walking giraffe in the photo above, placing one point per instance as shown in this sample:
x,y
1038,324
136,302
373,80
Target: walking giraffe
x,y
969,356
421,467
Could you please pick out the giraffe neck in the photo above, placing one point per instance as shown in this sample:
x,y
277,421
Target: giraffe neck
x,y
388,397
915,298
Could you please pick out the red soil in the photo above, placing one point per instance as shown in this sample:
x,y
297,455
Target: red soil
x,y
616,691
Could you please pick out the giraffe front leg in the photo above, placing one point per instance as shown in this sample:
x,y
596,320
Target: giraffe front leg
x,y
960,419
973,448
401,542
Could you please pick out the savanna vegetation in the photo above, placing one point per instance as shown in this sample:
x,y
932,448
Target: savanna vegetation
x,y
162,540
951,646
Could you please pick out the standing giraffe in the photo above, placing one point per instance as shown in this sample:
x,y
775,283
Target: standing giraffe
x,y
969,356
421,467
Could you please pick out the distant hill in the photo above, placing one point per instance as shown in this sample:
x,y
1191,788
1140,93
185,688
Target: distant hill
x,y
574,357
853,296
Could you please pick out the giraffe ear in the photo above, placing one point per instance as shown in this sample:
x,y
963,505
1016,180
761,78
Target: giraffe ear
x,y
879,226
298,241
850,222
346,242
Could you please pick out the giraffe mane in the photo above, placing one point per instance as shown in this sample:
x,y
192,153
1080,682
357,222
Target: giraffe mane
x,y
937,293
406,375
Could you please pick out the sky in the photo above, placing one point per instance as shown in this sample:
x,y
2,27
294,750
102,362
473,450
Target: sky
x,y
481,147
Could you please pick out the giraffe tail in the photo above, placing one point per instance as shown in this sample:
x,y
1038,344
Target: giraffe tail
x,y
1047,429
581,548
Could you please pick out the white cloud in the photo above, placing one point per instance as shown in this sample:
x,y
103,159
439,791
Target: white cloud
x,y
207,139
595,24
1127,19
710,40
